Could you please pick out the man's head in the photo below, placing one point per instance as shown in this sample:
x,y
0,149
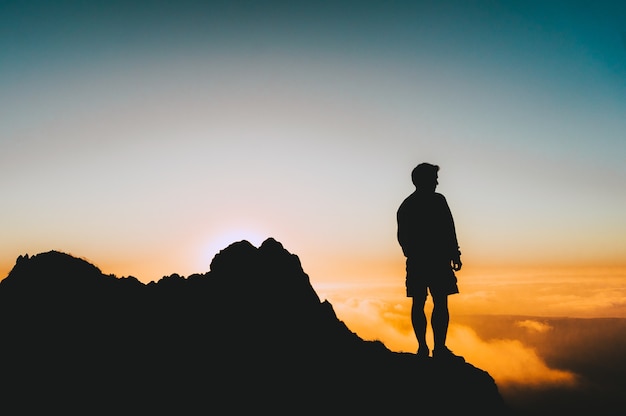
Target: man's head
x,y
424,176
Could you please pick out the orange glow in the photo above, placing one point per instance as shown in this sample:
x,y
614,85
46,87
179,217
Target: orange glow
x,y
382,312
576,292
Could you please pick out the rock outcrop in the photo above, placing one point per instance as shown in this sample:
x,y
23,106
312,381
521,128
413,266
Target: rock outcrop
x,y
250,335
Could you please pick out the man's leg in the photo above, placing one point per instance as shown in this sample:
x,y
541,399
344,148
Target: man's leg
x,y
418,319
439,320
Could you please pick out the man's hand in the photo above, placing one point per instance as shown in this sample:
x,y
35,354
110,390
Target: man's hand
x,y
456,263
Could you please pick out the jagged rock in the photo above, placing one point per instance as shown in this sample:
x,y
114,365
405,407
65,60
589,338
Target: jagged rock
x,y
249,335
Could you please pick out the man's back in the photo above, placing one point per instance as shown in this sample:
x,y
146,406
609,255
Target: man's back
x,y
425,226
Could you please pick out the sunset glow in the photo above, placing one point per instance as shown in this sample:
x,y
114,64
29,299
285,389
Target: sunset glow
x,y
382,312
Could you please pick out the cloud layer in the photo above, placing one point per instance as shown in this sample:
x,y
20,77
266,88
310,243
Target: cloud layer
x,y
507,359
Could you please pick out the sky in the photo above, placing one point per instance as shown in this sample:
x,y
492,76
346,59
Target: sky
x,y
147,136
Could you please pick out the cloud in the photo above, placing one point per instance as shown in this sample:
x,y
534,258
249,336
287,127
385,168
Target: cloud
x,y
508,361
534,326
574,292
607,301
375,319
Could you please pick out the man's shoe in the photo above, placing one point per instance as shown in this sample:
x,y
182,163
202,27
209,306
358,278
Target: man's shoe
x,y
444,354
423,352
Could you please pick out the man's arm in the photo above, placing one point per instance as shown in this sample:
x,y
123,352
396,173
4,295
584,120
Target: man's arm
x,y
401,233
455,255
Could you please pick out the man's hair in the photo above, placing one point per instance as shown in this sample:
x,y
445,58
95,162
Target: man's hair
x,y
424,173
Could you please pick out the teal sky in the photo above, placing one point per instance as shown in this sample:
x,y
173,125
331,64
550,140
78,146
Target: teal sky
x,y
147,135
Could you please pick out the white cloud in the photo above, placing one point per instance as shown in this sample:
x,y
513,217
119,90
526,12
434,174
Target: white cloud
x,y
533,325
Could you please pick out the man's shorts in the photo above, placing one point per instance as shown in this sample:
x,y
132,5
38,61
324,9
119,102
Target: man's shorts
x,y
438,278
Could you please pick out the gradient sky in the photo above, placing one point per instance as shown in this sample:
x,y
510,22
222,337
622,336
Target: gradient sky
x,y
146,136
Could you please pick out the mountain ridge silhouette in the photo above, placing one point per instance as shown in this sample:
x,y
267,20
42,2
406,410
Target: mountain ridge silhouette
x,y
251,334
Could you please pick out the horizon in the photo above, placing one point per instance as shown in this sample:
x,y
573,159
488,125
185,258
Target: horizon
x,y
466,303
571,292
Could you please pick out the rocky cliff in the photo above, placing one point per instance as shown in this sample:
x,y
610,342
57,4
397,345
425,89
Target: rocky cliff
x,y
249,335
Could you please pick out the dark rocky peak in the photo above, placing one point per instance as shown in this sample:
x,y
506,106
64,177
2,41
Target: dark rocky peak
x,y
249,335
52,267
267,268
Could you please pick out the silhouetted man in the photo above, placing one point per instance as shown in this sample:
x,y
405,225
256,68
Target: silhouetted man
x,y
427,236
